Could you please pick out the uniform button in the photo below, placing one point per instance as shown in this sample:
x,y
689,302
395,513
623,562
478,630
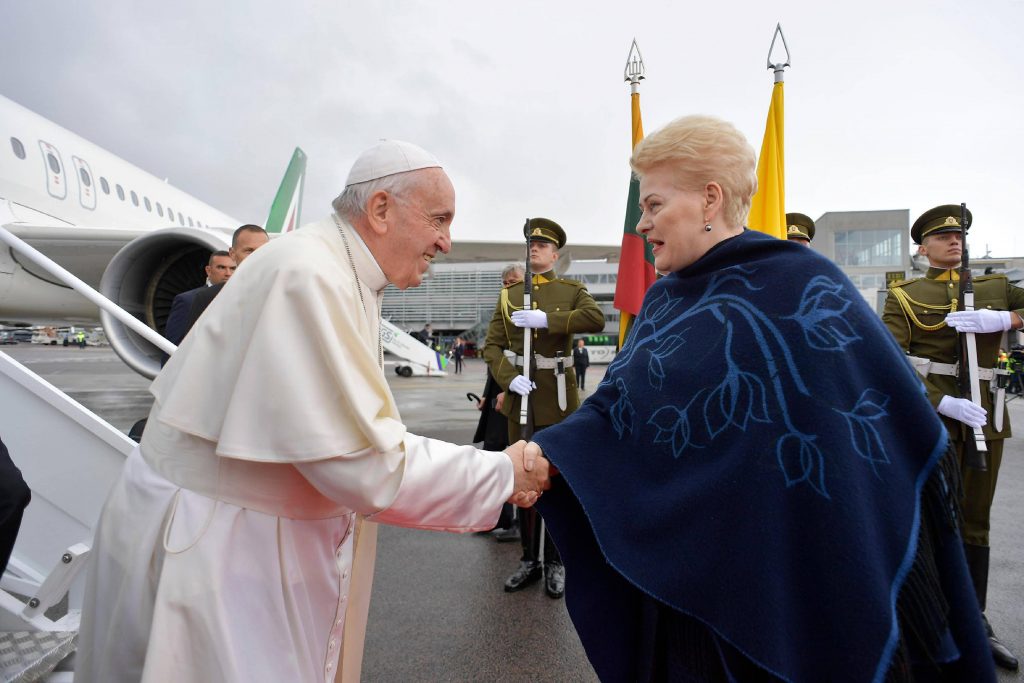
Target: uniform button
x,y
344,574
333,644
330,665
338,623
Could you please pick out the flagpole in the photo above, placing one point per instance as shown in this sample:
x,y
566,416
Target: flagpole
x,y
768,207
634,71
636,262
778,67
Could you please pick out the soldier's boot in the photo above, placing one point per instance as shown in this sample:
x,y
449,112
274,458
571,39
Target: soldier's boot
x,y
977,564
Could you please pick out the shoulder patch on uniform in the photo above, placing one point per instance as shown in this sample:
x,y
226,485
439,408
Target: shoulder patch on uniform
x,y
991,276
903,283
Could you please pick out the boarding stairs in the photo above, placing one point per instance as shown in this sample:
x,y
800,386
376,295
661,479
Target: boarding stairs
x,y
70,458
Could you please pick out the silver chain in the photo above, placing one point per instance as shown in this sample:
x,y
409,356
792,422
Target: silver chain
x,y
359,288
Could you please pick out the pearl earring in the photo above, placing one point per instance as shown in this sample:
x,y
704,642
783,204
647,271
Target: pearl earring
x,y
707,227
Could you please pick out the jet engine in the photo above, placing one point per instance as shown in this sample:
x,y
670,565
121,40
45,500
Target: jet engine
x,y
144,277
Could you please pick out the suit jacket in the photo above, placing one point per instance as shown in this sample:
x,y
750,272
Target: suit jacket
x,y
200,302
177,322
580,357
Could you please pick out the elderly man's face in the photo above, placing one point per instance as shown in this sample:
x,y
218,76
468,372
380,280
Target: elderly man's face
x,y
419,226
220,269
512,278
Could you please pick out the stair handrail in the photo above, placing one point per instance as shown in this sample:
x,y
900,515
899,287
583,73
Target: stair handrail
x,y
69,279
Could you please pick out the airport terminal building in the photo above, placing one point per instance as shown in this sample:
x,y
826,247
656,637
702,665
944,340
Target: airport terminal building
x,y
459,296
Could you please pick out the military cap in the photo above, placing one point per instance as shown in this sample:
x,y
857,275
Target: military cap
x,y
799,227
544,230
945,218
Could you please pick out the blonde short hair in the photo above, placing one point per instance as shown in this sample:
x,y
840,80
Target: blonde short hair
x,y
704,149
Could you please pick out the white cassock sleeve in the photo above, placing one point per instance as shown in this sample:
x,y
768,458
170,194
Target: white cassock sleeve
x,y
441,486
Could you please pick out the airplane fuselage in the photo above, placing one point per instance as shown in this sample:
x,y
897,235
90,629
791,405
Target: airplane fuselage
x,y
50,173
79,205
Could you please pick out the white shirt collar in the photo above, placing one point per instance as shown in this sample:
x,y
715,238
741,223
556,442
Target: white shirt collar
x,y
369,270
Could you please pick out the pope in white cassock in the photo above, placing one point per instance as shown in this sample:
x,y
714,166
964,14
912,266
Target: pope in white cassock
x,y
238,544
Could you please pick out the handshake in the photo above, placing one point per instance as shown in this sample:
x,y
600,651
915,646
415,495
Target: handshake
x,y
533,473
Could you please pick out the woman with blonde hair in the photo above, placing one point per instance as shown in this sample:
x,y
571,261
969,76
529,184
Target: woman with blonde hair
x,y
758,489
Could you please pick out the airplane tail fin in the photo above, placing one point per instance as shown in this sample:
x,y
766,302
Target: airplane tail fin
x,y
284,213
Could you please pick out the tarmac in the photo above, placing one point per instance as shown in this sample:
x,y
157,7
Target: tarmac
x,y
439,611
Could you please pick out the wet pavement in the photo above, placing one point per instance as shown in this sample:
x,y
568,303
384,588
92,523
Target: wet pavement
x,y
439,611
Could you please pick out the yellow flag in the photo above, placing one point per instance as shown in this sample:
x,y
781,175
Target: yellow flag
x,y
768,209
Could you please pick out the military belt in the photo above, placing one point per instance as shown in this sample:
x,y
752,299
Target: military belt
x,y
930,367
556,365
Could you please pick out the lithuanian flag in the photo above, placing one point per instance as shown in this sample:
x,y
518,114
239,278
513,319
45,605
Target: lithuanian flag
x,y
636,262
768,209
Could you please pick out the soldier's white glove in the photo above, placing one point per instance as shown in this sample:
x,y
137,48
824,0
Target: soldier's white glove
x,y
981,321
963,410
521,385
533,319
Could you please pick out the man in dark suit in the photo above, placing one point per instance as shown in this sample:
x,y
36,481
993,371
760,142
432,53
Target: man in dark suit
x,y
580,363
218,270
14,498
246,239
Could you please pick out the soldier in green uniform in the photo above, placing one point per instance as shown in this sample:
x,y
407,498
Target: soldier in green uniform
x,y
561,308
925,316
799,228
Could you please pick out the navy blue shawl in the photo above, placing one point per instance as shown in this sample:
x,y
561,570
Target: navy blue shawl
x,y
754,459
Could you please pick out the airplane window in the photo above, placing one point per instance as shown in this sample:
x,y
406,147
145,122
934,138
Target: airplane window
x,y
159,209
19,149
170,213
181,219
54,164
84,175
135,198
105,185
145,200
120,193
190,223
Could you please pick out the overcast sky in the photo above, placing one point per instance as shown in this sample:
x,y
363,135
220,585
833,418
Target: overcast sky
x,y
889,105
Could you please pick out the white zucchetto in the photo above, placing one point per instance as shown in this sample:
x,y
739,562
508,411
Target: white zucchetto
x,y
389,157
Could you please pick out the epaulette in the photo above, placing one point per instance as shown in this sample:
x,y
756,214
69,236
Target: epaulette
x,y
902,283
991,276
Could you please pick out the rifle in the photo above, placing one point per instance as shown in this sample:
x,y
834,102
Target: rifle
x,y
967,354
525,423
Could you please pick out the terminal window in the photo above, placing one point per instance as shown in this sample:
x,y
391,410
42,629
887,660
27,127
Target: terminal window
x,y
869,248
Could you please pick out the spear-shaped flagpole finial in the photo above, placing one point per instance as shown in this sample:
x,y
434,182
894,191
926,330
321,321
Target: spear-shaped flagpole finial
x,y
634,71
778,66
